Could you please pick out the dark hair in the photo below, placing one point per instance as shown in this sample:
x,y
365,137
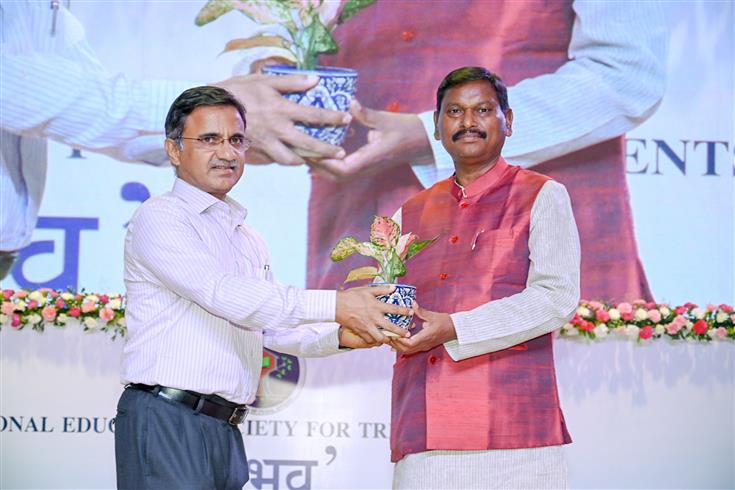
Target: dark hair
x,y
192,98
471,74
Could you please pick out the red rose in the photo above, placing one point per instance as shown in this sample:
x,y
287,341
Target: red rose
x,y
60,304
75,311
587,326
104,299
680,310
602,316
700,327
646,332
16,321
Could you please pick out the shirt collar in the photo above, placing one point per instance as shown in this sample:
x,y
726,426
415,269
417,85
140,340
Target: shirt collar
x,y
200,201
482,184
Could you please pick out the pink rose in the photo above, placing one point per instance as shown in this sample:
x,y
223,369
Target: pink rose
x,y
726,308
650,305
690,305
8,308
624,308
639,302
711,307
627,316
587,326
49,313
32,304
7,293
107,314
654,316
721,332
75,311
16,321
104,299
60,304
602,316
88,306
673,328
700,327
595,305
54,294
20,294
646,332
680,310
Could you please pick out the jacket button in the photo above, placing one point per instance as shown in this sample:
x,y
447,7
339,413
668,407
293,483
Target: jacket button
x,y
432,359
454,239
393,106
464,205
443,276
408,35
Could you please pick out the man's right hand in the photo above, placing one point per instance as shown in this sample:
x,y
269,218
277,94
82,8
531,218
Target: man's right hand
x,y
271,119
361,311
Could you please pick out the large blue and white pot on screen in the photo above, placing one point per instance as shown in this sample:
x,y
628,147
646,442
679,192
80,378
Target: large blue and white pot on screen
x,y
335,90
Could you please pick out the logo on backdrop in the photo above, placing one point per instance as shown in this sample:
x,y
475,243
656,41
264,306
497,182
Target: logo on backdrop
x,y
281,379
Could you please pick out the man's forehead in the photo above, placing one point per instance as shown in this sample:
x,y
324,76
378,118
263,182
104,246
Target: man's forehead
x,y
476,89
216,116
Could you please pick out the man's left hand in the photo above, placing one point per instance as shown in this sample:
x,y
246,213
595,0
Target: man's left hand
x,y
438,328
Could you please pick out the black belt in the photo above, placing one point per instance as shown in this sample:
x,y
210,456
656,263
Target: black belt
x,y
231,413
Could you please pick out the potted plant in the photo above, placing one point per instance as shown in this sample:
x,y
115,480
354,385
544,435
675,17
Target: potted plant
x,y
391,250
298,31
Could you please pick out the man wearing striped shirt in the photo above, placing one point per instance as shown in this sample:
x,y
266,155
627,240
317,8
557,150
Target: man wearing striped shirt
x,y
202,302
474,392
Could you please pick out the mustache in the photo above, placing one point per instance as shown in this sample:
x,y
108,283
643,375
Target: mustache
x,y
220,163
462,132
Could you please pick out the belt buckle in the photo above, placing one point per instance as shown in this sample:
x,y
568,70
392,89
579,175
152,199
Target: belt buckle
x,y
238,416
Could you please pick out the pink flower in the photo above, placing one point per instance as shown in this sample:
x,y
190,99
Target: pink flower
x,y
726,308
7,293
654,316
646,332
384,232
673,328
107,314
88,306
8,307
20,294
75,311
16,321
587,326
625,308
595,305
650,305
104,299
54,294
700,327
602,316
49,313
639,302
690,305
60,304
721,332
711,307
32,304
627,316
680,310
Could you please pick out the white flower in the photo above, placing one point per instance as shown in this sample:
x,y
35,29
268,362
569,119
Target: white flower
x,y
665,311
632,331
641,314
721,317
90,323
34,319
614,314
4,319
698,313
20,306
37,296
601,330
571,332
67,296
122,322
711,333
660,329
92,298
114,304
688,325
584,312
62,318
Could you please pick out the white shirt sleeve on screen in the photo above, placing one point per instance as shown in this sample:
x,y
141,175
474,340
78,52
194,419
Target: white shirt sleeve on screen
x,y
55,87
614,80
552,288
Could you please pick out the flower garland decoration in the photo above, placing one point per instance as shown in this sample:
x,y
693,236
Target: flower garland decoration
x,y
594,320
45,307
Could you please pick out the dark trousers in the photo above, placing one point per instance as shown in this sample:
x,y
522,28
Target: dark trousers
x,y
162,444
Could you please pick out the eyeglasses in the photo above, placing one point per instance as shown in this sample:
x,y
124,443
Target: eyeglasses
x,y
213,141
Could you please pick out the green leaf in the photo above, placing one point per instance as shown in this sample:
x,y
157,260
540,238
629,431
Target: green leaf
x,y
367,272
213,10
393,268
416,247
314,40
352,7
344,248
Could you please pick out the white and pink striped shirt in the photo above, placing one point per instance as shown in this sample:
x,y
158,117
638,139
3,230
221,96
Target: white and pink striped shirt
x,y
201,299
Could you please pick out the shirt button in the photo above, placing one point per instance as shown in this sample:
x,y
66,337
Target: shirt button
x,y
454,239
464,205
443,276
393,106
408,35
432,359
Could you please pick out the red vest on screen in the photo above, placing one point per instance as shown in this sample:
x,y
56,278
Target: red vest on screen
x,y
402,50
502,400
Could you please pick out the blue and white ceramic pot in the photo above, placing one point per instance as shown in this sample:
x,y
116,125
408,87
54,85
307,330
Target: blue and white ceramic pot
x,y
403,295
334,91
